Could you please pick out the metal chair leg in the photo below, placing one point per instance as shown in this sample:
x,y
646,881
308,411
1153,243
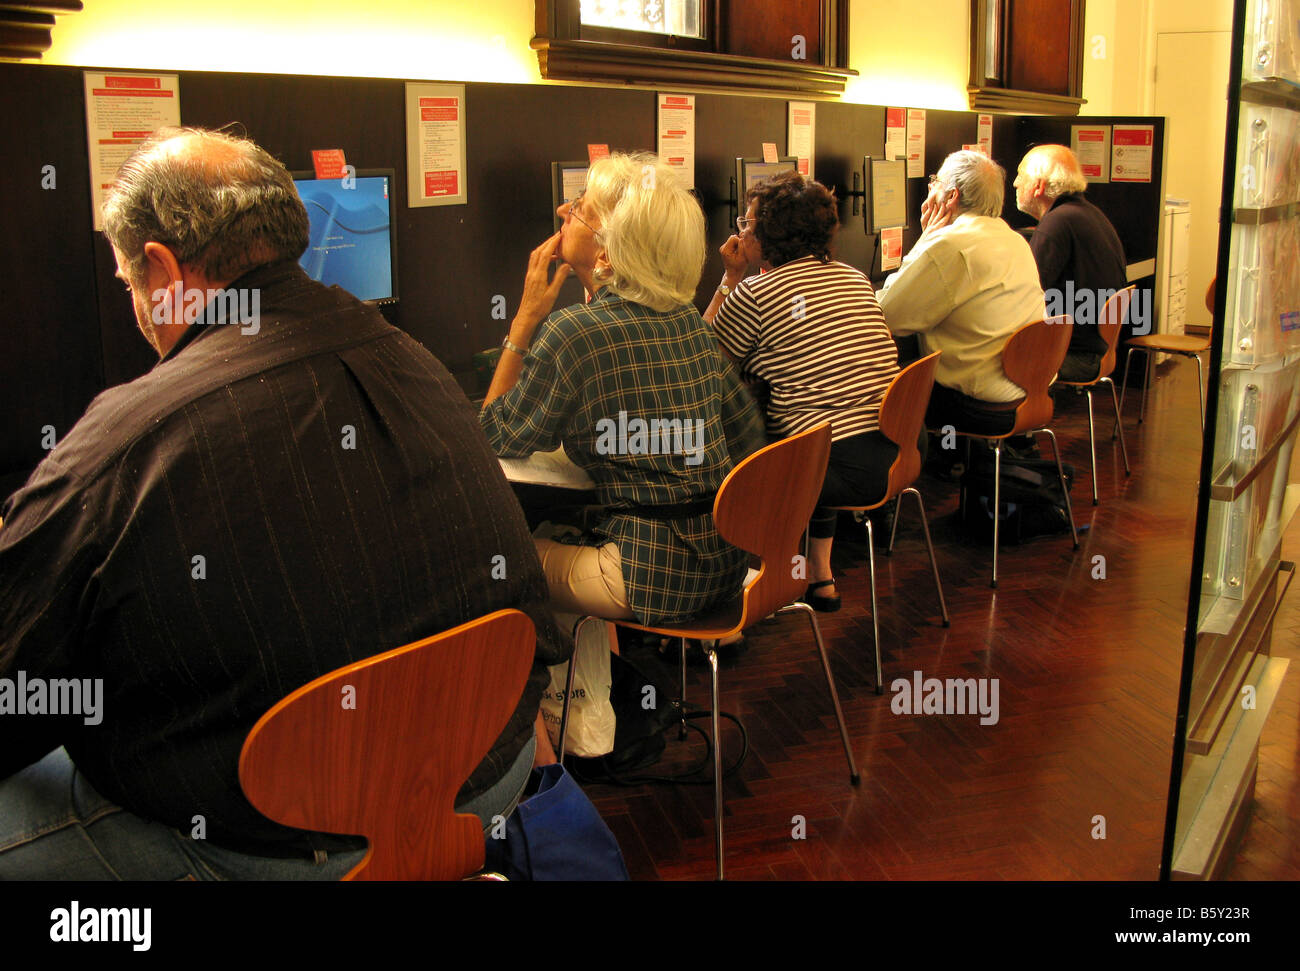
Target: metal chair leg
x,y
1200,391
1147,381
830,683
681,730
934,566
1123,449
1119,410
717,761
997,504
875,611
568,690
893,527
1065,487
1092,447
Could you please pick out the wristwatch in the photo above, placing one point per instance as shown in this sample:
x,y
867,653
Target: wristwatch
x,y
510,345
724,289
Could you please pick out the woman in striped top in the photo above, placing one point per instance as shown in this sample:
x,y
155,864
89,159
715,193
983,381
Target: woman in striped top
x,y
811,329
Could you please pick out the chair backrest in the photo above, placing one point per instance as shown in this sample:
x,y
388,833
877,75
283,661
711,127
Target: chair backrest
x,y
763,507
1110,323
380,748
902,412
1030,359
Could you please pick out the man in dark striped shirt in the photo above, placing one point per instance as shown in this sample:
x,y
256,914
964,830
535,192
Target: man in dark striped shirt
x,y
295,486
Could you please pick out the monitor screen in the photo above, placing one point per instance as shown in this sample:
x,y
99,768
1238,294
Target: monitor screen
x,y
568,180
886,185
352,237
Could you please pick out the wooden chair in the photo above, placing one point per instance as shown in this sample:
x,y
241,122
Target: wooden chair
x,y
902,413
388,765
1182,345
762,508
1111,321
1030,359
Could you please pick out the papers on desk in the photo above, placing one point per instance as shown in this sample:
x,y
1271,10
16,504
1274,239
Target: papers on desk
x,y
549,469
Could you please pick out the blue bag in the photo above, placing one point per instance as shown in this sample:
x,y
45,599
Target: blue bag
x,y
555,833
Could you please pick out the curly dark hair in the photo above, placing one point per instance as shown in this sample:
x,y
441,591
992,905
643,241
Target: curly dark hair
x,y
796,218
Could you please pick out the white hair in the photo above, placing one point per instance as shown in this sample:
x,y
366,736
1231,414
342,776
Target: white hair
x,y
652,229
1057,166
979,180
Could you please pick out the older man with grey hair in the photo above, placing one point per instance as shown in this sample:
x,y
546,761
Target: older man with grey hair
x,y
271,502
966,286
1080,258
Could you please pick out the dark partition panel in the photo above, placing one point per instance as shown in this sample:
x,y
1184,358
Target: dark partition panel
x,y
51,364
72,330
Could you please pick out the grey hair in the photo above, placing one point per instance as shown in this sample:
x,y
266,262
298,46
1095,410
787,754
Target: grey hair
x,y
220,203
979,180
1058,167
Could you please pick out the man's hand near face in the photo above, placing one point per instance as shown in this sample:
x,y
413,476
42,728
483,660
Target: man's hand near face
x,y
938,210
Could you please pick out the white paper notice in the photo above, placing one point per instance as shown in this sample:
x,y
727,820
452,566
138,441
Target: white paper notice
x,y
122,110
435,144
891,248
984,134
1131,153
915,143
801,121
1091,146
677,134
895,133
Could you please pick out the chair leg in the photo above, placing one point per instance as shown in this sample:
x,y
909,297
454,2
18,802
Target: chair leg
x,y
1092,447
1119,409
875,612
568,690
893,527
997,504
1065,487
1147,381
1123,449
830,683
934,566
681,730
1200,390
717,762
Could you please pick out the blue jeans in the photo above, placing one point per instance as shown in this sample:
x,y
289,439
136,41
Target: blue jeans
x,y
55,826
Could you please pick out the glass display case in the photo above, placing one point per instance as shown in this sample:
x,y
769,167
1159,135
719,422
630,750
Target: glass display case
x,y
1245,502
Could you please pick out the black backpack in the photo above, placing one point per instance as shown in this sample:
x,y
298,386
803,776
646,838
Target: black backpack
x,y
1032,503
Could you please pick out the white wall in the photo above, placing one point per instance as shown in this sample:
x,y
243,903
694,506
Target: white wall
x,y
908,54
480,40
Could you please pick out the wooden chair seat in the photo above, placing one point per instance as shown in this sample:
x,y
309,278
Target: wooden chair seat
x,y
1171,343
1109,325
902,414
1030,359
389,765
762,507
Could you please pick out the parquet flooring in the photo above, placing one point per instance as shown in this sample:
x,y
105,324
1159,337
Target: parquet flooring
x,y
1088,677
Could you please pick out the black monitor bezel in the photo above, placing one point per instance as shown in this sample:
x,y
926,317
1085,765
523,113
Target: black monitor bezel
x,y
869,198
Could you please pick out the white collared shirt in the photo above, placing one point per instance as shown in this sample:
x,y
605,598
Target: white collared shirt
x,y
965,289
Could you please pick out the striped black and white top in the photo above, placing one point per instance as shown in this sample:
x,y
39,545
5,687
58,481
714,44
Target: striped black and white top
x,y
814,332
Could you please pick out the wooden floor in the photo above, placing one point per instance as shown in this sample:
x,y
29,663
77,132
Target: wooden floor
x,y
1087,670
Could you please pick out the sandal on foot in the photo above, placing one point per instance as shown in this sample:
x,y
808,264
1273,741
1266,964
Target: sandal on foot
x,y
823,605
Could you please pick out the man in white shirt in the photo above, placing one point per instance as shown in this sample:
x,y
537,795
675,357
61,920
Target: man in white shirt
x,y
966,286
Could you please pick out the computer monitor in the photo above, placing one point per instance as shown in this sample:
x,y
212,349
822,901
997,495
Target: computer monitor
x,y
352,241
885,184
751,171
568,180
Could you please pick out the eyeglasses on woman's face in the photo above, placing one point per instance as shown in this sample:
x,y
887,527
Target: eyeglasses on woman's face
x,y
575,208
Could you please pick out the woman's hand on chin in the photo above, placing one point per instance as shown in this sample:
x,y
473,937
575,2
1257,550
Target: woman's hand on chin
x,y
540,290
